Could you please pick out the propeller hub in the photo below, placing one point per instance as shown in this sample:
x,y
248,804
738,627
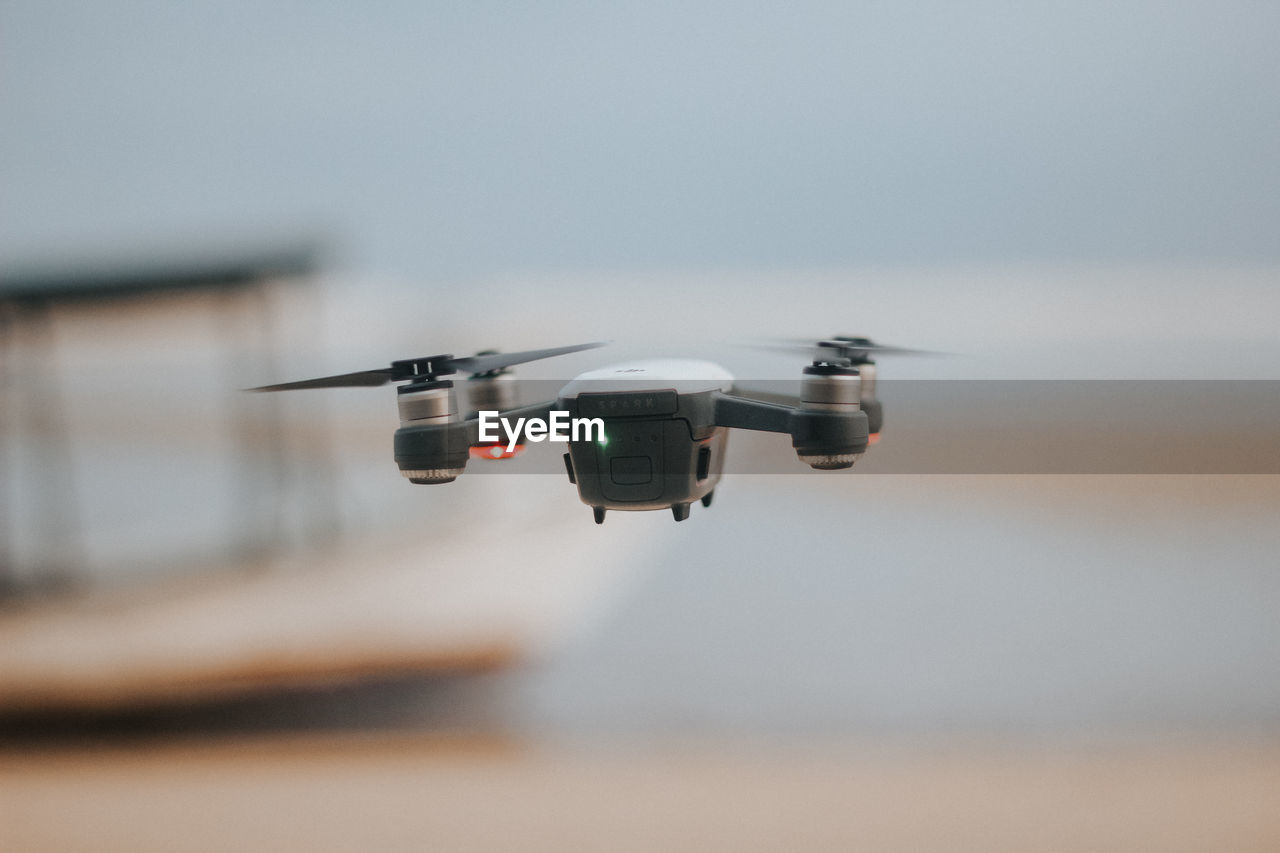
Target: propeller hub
x,y
427,368
853,350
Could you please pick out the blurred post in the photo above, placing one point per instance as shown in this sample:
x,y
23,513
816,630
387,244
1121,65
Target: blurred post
x,y
35,432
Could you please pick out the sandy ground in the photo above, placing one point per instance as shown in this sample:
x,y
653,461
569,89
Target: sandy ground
x,y
412,791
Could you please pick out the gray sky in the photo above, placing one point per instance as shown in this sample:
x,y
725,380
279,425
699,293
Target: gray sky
x,y
471,139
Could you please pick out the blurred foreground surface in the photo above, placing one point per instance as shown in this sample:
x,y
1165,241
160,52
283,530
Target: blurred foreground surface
x,y
971,663
417,792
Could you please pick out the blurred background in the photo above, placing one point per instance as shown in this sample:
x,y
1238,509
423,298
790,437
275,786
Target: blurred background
x,y
226,620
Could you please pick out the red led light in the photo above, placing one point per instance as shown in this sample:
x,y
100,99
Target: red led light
x,y
495,451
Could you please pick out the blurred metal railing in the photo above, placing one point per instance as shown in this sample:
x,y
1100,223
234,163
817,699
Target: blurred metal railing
x,y
34,422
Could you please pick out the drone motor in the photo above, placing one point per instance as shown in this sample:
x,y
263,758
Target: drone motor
x,y
425,453
831,387
492,392
836,435
433,402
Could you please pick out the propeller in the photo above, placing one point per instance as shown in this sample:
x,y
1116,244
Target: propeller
x,y
428,368
841,347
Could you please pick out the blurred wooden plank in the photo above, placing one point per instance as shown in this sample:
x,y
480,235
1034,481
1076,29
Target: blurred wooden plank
x,y
472,599
106,279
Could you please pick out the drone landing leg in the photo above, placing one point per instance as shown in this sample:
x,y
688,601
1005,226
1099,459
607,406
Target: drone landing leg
x,y
598,512
680,511
706,499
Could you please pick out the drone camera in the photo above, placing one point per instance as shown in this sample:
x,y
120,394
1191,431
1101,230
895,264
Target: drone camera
x,y
648,456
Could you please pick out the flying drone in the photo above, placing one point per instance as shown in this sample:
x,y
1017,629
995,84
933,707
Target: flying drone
x,y
661,425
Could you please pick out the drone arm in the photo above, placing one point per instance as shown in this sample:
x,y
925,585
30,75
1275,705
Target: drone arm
x,y
821,438
743,413
771,392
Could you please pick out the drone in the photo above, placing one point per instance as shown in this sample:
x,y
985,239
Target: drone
x,y
654,432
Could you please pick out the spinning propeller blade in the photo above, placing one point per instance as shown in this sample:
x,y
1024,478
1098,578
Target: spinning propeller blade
x,y
431,366
845,346
497,361
363,378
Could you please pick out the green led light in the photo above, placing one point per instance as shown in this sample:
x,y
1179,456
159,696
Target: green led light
x,y
604,439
